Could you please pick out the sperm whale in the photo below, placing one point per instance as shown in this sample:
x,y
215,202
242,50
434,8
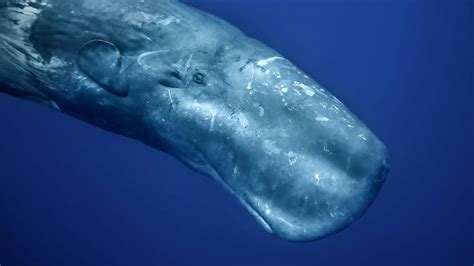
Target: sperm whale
x,y
189,84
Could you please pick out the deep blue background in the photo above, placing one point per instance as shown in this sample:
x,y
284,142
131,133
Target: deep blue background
x,y
72,194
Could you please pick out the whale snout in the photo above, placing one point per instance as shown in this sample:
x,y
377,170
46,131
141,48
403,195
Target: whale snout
x,y
293,154
301,190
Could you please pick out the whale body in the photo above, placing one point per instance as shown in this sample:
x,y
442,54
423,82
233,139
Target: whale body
x,y
192,85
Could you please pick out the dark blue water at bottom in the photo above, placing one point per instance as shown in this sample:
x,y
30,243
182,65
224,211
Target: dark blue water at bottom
x,y
72,194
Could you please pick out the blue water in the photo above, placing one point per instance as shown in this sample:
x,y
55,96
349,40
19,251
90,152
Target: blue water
x,y
74,195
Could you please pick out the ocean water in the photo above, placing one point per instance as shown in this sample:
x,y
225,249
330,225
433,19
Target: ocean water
x,y
72,194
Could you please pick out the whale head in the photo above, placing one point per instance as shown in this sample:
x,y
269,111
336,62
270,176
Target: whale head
x,y
226,105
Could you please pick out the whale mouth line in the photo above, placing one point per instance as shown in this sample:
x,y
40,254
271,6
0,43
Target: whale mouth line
x,y
260,219
253,211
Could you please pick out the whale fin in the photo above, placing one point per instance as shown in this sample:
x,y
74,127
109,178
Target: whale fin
x,y
102,62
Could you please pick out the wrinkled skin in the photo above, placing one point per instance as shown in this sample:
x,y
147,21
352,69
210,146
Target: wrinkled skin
x,y
193,86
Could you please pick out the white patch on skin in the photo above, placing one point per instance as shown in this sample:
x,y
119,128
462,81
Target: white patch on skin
x,y
139,19
270,147
171,99
31,11
213,120
283,220
235,170
267,209
267,61
261,111
322,119
282,87
306,89
249,86
168,20
188,63
326,149
317,177
362,136
243,120
292,157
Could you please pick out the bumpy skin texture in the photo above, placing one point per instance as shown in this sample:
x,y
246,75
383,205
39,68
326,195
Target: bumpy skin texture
x,y
192,85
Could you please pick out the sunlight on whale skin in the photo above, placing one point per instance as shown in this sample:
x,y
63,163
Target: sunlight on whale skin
x,y
195,87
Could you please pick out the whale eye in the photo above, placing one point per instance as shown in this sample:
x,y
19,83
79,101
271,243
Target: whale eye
x,y
199,78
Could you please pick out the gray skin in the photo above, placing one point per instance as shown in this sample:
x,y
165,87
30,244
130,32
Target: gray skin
x,y
195,87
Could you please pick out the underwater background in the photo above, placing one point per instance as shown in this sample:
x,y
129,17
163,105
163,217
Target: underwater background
x,y
72,194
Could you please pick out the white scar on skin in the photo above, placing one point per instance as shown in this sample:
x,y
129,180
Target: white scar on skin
x,y
267,61
141,58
